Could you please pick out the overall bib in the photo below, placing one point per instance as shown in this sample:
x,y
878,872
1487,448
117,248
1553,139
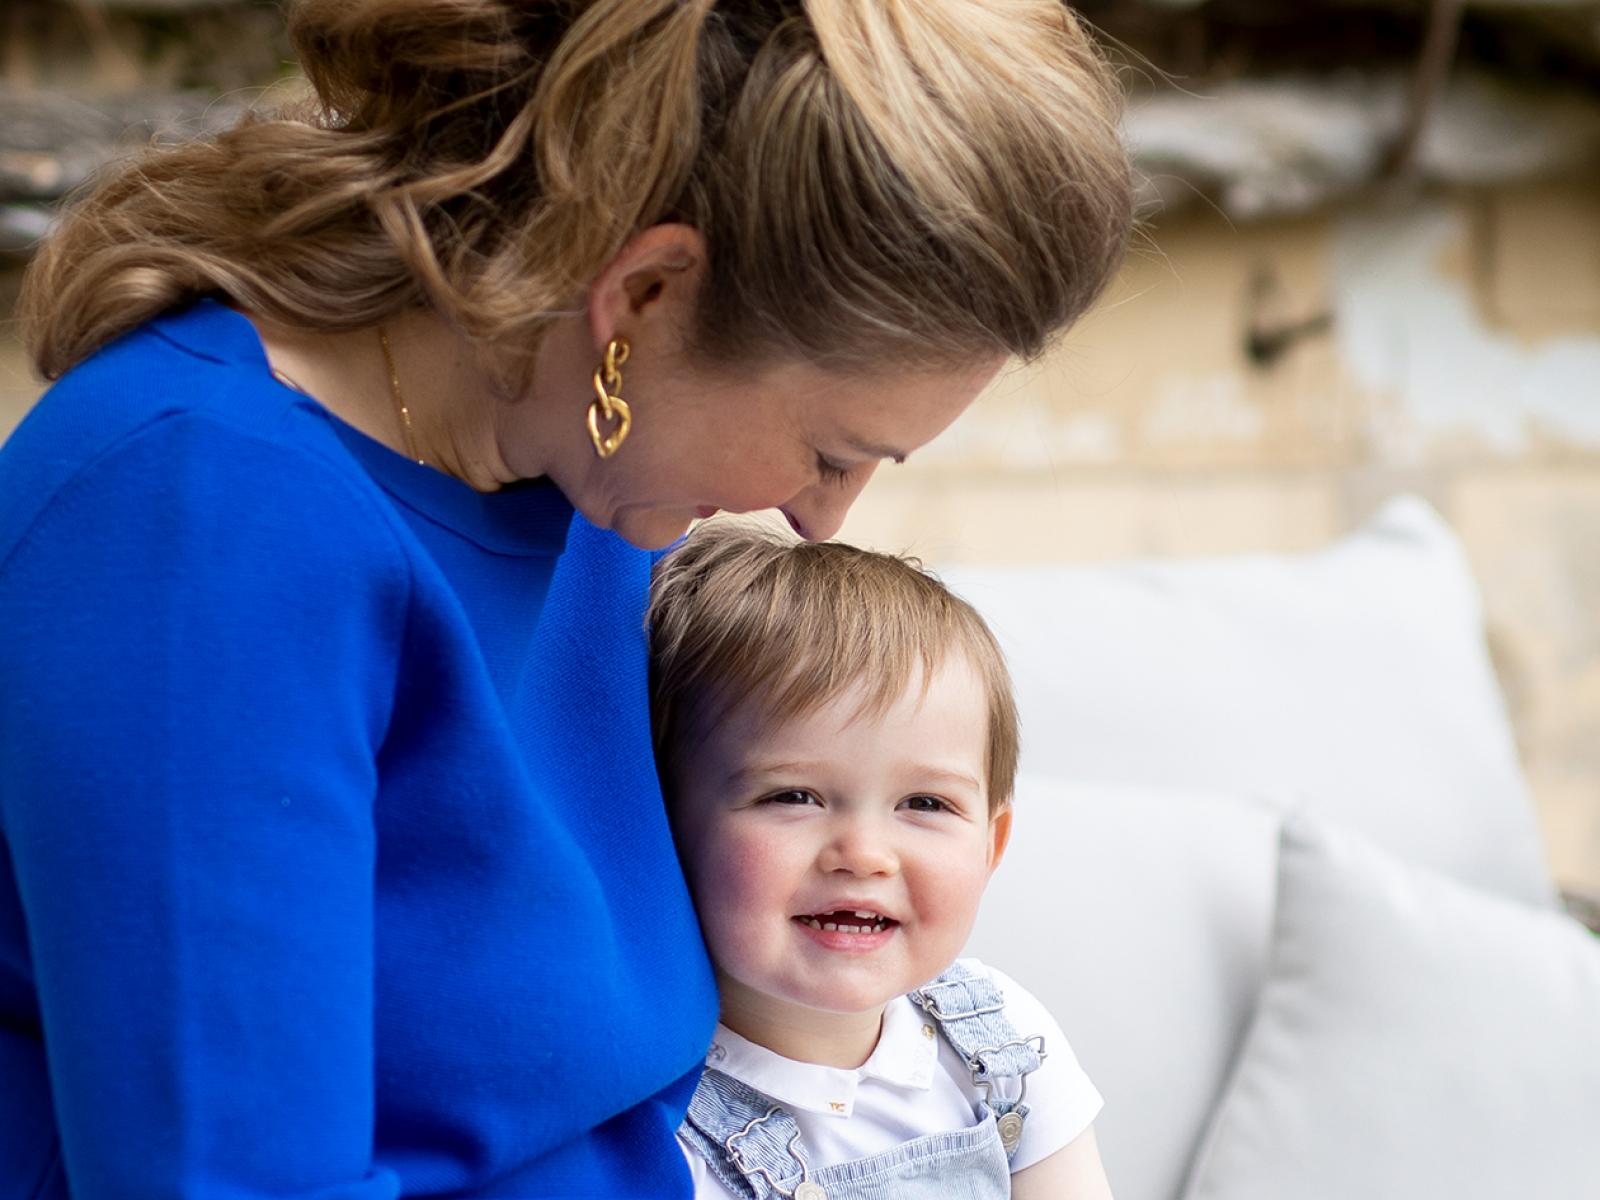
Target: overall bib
x,y
754,1147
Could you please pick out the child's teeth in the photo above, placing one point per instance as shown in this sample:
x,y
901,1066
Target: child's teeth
x,y
872,923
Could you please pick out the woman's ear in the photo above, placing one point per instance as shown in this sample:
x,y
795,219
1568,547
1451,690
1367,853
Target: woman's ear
x,y
653,280
999,836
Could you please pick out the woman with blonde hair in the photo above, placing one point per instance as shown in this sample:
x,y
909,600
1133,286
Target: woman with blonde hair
x,y
334,859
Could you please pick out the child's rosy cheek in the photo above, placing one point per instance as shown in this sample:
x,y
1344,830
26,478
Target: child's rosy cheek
x,y
750,858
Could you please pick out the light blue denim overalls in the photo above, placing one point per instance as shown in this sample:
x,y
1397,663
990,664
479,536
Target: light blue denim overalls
x,y
754,1147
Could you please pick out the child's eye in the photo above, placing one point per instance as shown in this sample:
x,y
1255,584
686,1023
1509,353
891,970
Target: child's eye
x,y
924,804
793,796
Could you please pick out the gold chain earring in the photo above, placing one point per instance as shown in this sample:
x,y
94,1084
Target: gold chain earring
x,y
609,415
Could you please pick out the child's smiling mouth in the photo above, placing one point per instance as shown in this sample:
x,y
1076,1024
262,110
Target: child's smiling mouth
x,y
848,921
847,929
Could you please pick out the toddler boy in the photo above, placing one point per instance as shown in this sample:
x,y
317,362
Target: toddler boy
x,y
837,740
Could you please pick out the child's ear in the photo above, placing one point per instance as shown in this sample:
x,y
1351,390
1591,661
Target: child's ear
x,y
999,836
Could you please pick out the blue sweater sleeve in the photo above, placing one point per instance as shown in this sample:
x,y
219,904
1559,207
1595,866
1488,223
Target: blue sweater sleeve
x,y
202,627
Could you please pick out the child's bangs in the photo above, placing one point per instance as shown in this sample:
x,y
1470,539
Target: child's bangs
x,y
744,621
871,672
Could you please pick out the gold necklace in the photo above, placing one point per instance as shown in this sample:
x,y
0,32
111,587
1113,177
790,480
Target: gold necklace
x,y
288,382
399,399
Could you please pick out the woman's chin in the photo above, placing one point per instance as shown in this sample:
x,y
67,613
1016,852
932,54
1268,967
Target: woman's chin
x,y
652,530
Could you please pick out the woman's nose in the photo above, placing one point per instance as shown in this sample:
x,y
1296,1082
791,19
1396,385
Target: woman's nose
x,y
817,513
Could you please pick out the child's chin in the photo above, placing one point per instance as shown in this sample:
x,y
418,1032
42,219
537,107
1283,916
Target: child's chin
x,y
849,1000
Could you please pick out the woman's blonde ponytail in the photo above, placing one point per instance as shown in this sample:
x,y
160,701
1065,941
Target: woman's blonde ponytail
x,y
876,180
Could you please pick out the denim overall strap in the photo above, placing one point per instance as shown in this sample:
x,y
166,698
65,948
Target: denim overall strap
x,y
970,1011
750,1144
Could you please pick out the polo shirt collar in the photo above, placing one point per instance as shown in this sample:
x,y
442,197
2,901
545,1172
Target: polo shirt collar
x,y
906,1056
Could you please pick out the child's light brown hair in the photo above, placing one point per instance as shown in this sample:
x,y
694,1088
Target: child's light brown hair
x,y
741,616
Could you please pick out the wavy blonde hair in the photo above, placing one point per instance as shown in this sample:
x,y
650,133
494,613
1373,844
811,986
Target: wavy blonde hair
x,y
876,180
744,619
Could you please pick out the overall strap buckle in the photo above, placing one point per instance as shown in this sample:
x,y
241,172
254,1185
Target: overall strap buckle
x,y
751,1144
804,1190
969,1008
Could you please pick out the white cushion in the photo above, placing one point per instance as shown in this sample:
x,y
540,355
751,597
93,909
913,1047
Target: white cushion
x,y
1415,1039
1354,680
1140,918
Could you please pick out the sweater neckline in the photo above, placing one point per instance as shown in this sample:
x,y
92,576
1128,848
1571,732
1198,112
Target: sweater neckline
x,y
530,517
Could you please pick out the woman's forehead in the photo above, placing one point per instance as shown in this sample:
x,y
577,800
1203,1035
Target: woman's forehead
x,y
883,414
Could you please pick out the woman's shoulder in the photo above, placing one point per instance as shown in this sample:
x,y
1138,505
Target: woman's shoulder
x,y
198,365
182,411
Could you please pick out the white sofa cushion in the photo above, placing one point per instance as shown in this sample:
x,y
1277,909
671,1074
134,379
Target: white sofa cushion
x,y
1354,681
1141,918
1415,1039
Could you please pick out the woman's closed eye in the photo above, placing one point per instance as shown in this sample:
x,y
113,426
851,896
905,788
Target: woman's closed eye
x,y
830,471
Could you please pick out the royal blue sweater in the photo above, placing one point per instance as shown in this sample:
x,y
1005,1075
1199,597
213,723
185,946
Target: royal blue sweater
x,y
332,860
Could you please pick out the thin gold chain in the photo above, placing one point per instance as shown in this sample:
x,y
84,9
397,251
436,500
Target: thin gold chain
x,y
399,399
287,382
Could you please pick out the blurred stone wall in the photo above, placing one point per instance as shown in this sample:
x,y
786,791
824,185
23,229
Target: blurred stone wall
x,y
1449,348
1290,348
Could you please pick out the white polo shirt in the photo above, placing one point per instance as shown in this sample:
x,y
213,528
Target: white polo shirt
x,y
914,1084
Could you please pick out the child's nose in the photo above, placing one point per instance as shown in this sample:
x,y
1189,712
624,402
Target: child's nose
x,y
858,850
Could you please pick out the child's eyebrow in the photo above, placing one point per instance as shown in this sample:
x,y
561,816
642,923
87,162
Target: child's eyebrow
x,y
757,770
920,771
948,774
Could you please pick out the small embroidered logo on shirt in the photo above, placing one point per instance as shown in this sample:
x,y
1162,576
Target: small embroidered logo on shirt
x,y
836,1105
